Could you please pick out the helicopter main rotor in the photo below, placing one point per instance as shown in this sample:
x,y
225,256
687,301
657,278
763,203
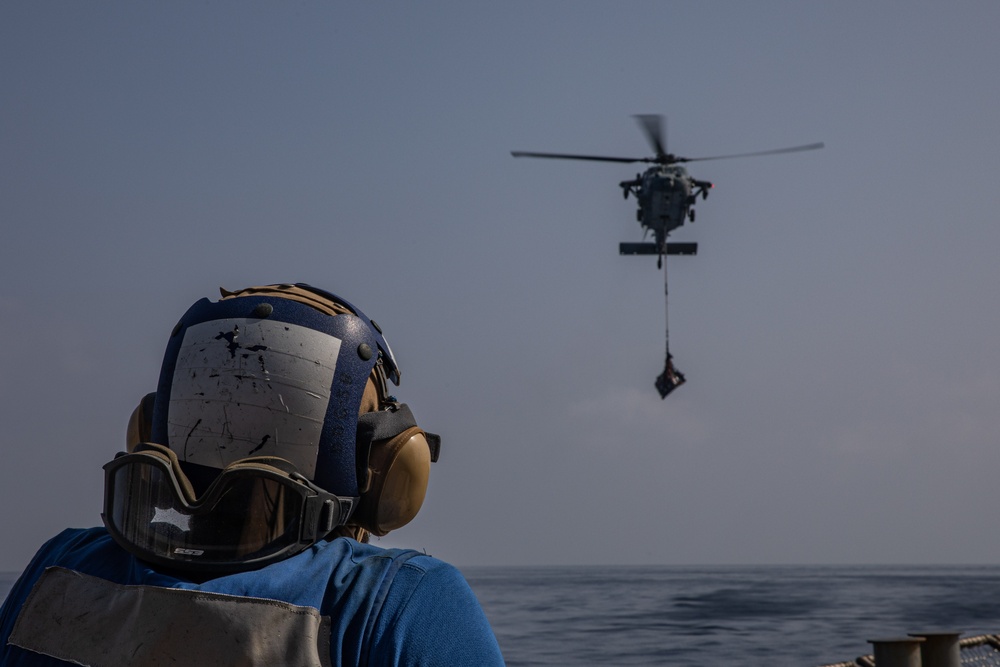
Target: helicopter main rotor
x,y
652,127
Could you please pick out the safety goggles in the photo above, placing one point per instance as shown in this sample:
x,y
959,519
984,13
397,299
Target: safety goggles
x,y
257,511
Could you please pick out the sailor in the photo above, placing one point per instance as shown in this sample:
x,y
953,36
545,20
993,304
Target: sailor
x,y
236,523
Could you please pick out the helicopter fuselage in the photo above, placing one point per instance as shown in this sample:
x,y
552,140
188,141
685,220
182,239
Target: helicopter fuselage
x,y
664,199
665,194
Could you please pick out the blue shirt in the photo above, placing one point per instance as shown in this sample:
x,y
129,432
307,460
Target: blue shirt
x,y
409,608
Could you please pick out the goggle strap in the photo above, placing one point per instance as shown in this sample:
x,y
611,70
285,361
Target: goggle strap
x,y
281,464
173,463
323,514
338,512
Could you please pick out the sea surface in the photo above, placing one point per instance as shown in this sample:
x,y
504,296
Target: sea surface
x,y
688,616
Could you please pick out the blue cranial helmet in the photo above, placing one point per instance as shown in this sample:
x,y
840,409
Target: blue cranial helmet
x,y
270,428
279,370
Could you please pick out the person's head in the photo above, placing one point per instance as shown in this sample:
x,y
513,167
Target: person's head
x,y
271,428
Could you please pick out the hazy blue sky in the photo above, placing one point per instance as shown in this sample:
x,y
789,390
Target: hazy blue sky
x,y
838,328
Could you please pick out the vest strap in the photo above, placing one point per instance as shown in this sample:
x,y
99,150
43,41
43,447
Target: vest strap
x,y
94,622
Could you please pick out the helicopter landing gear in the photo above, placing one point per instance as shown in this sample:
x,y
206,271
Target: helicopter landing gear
x,y
691,214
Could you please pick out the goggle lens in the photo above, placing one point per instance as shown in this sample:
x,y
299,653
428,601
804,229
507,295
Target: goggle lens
x,y
247,517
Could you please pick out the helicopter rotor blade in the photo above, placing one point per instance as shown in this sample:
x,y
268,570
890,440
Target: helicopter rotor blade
x,y
573,156
792,149
652,126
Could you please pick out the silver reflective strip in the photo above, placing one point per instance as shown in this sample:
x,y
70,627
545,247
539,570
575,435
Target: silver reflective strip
x,y
97,623
246,387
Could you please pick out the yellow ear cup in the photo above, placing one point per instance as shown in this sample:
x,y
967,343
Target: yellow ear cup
x,y
140,424
398,470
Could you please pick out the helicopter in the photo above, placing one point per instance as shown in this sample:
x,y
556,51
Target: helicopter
x,y
666,194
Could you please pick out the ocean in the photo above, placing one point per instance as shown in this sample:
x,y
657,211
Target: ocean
x,y
772,616
696,616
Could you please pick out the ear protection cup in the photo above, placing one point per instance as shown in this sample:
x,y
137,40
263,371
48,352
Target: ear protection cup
x,y
397,474
140,424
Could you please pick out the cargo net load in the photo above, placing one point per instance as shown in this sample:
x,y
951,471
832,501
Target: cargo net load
x,y
669,379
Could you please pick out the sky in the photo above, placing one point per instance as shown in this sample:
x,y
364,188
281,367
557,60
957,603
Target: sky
x,y
837,327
